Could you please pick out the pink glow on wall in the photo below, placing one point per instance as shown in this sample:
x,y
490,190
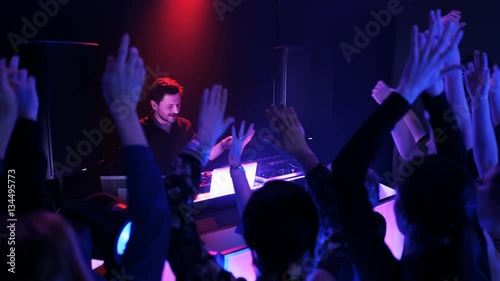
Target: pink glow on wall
x,y
393,237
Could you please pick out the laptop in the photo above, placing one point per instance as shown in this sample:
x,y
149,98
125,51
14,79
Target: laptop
x,y
222,184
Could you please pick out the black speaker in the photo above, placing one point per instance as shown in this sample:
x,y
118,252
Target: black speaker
x,y
71,104
304,81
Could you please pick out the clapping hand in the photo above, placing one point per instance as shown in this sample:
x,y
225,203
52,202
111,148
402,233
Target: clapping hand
x,y
424,66
437,88
453,16
453,19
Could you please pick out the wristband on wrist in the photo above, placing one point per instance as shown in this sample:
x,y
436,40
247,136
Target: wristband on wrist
x,y
236,167
198,149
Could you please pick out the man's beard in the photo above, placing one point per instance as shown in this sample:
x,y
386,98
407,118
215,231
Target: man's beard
x,y
166,119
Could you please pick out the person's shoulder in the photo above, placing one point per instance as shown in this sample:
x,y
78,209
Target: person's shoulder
x,y
184,123
145,120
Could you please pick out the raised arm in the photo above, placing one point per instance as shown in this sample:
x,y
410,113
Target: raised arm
x,y
291,140
373,259
448,140
220,147
26,143
8,110
334,263
241,186
414,125
148,244
188,257
477,78
447,136
495,102
454,87
407,131
349,170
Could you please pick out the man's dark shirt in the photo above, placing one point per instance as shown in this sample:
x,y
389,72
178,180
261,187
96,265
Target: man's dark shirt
x,y
167,146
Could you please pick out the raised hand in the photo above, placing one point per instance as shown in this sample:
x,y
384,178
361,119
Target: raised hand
x,y
24,86
452,20
477,76
226,143
8,100
211,117
477,80
289,129
424,65
8,108
121,87
291,136
495,81
453,16
123,77
495,95
381,91
438,87
239,142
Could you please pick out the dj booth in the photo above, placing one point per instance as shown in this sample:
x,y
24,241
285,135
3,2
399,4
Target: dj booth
x,y
216,199
217,214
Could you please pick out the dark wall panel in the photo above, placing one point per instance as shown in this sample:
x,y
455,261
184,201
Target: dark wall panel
x,y
231,42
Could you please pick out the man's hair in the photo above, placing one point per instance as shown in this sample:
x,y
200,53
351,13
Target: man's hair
x,y
164,86
280,223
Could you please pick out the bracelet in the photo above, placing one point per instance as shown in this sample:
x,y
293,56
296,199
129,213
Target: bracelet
x,y
236,167
198,149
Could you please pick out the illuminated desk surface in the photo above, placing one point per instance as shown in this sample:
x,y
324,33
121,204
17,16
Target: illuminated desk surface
x,y
117,185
